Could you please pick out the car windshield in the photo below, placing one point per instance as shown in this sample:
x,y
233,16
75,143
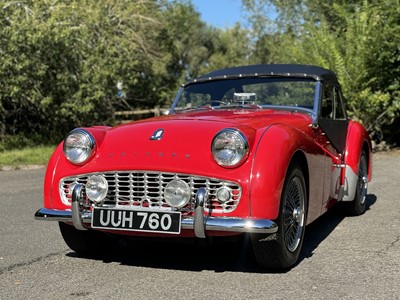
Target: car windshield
x,y
248,93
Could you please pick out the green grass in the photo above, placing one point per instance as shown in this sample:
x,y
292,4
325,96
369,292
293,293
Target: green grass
x,y
38,155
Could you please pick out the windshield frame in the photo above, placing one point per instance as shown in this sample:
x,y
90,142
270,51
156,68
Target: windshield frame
x,y
313,112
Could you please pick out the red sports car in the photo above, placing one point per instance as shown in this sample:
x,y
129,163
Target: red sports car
x,y
262,150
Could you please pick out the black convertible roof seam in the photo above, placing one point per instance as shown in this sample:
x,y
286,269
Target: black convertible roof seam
x,y
273,70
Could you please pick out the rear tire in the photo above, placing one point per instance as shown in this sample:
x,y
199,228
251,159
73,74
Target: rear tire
x,y
86,242
281,250
359,206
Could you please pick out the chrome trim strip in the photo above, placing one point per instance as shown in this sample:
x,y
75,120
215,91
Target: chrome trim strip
x,y
76,214
211,223
199,228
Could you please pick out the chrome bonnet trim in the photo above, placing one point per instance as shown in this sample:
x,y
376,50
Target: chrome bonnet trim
x,y
229,224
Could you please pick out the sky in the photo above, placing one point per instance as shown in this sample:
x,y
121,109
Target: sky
x,y
220,13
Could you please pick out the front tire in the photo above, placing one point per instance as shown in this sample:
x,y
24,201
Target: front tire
x,y
281,251
87,242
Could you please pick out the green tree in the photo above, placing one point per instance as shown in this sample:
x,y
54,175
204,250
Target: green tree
x,y
185,43
356,39
232,47
61,61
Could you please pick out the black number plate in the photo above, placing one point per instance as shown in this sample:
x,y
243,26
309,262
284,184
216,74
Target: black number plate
x,y
136,220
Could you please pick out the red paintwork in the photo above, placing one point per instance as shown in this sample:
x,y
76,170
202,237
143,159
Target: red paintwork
x,y
357,139
275,150
275,137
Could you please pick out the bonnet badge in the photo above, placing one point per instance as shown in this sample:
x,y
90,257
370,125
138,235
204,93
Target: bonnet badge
x,y
157,135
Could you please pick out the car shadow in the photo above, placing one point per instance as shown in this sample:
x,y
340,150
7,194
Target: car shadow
x,y
187,254
320,229
215,254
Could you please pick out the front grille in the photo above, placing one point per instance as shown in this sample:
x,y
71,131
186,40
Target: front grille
x,y
146,190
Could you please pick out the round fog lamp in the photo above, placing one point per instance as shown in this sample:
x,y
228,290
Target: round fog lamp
x,y
177,193
96,188
223,195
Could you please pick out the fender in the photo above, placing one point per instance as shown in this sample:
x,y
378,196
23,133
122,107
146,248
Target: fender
x,y
273,154
51,190
49,177
357,140
98,133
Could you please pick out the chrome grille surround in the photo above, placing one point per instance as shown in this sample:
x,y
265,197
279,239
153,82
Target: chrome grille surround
x,y
145,189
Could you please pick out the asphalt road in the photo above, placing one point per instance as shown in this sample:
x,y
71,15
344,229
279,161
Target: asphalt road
x,y
343,257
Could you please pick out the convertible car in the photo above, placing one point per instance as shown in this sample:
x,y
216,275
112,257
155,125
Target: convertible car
x,y
259,150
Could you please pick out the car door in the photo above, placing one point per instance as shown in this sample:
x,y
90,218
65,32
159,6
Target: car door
x,y
332,117
333,123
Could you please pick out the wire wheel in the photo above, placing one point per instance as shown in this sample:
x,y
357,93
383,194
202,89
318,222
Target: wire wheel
x,y
281,250
293,214
362,180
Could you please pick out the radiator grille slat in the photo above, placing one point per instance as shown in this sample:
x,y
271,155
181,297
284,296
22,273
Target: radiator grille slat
x,y
146,189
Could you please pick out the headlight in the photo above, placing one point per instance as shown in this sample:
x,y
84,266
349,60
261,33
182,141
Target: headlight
x,y
78,146
229,147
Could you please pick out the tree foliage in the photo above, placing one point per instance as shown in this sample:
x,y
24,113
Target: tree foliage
x,y
61,61
65,64
359,40
70,63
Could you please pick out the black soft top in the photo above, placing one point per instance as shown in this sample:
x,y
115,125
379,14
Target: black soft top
x,y
275,70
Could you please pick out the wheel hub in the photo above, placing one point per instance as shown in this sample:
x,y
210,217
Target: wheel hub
x,y
363,188
298,214
365,181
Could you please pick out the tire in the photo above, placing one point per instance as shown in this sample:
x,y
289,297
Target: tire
x,y
87,242
280,251
358,206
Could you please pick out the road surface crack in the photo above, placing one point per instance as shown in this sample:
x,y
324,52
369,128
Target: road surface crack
x,y
27,263
392,244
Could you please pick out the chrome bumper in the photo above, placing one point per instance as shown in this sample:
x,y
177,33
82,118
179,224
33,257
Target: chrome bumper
x,y
199,223
211,223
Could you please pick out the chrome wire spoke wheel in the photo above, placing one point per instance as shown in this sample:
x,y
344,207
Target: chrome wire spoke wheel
x,y
281,251
362,181
293,214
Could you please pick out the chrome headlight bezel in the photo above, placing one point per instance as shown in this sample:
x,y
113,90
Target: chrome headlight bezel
x,y
230,148
79,146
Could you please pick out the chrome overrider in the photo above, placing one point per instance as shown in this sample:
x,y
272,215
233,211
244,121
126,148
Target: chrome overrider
x,y
76,213
199,223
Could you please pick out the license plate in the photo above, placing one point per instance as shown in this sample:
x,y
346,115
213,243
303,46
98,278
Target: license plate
x,y
136,220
